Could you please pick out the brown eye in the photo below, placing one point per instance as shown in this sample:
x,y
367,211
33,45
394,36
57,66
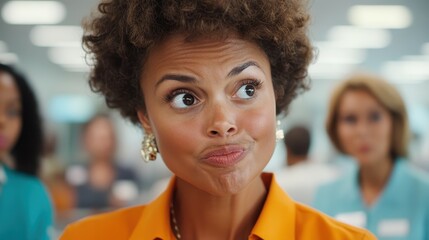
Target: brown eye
x,y
183,100
246,91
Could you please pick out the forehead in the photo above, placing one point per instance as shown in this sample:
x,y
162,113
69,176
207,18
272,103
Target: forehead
x,y
176,51
8,87
358,99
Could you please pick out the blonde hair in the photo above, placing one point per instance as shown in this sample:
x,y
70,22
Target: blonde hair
x,y
386,95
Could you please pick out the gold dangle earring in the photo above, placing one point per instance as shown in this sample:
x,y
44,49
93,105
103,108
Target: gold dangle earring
x,y
279,132
149,148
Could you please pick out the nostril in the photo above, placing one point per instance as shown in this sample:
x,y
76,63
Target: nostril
x,y
213,133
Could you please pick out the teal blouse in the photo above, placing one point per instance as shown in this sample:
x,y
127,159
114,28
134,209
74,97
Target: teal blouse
x,y
400,213
25,207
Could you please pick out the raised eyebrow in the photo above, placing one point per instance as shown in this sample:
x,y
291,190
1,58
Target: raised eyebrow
x,y
176,77
237,70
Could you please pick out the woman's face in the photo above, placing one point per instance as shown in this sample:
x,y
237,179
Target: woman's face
x,y
364,127
99,139
211,106
10,113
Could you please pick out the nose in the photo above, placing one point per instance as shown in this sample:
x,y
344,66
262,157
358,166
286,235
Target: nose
x,y
221,121
363,129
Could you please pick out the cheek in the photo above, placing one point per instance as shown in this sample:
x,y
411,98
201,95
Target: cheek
x,y
176,139
344,133
260,125
384,132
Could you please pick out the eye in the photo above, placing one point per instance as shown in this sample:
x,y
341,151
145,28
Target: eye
x,y
350,119
248,89
375,116
13,112
183,100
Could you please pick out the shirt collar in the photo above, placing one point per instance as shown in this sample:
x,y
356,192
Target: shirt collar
x,y
277,217
155,221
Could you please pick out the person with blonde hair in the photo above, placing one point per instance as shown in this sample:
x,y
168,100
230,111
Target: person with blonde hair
x,y
205,80
367,119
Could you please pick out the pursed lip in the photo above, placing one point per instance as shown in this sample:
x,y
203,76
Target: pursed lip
x,y
224,156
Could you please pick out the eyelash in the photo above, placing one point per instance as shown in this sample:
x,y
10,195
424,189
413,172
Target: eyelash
x,y
255,82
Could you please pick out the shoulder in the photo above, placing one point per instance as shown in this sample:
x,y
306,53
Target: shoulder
x,y
416,175
120,223
323,225
31,185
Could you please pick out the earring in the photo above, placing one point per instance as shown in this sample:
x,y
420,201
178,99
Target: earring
x,y
149,148
279,132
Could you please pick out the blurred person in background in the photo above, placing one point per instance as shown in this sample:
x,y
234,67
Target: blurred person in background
x,y
367,120
206,79
104,183
53,175
25,208
302,175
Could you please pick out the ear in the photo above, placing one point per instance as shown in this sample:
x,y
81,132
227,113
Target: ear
x,y
144,121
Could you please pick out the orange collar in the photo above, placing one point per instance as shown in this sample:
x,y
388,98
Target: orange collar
x,y
276,219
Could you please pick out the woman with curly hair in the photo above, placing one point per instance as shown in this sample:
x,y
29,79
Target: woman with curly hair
x,y
205,79
25,207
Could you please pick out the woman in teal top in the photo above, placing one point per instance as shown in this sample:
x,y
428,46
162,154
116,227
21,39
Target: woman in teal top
x,y
367,120
25,208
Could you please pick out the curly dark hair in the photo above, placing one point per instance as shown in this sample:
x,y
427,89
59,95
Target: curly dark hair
x,y
27,150
123,32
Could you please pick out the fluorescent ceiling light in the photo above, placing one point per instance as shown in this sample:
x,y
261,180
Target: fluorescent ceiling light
x,y
33,12
3,47
72,59
406,71
380,16
67,55
8,58
356,37
72,68
56,36
332,54
329,71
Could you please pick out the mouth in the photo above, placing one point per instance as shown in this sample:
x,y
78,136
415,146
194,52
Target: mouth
x,y
225,156
364,149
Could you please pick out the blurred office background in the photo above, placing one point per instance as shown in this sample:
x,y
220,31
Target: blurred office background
x,y
387,37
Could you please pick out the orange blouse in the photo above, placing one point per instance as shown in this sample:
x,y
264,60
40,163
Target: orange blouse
x,y
281,218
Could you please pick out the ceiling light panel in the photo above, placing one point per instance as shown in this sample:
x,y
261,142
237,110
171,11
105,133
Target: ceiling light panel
x,y
330,53
357,37
8,58
56,36
33,12
380,16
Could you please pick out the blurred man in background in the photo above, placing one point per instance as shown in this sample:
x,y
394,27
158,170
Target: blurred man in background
x,y
301,177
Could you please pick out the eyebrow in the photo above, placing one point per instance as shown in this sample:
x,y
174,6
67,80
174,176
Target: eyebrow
x,y
188,79
237,70
176,77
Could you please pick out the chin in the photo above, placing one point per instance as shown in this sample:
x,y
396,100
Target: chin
x,y
231,183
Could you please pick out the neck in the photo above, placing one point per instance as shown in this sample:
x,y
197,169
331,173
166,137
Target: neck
x,y
373,178
203,216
